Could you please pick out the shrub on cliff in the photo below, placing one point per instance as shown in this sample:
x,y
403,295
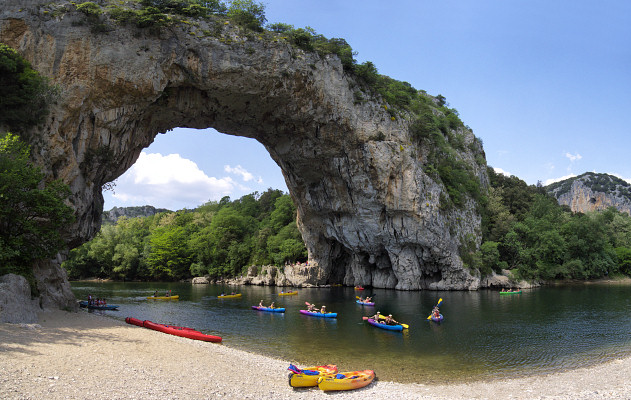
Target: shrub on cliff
x,y
25,95
32,211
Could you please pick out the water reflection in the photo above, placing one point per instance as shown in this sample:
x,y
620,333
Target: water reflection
x,y
484,335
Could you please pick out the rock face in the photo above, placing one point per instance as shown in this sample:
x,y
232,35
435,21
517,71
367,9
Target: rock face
x,y
593,192
368,212
16,305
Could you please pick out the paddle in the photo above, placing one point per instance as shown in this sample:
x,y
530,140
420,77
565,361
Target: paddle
x,y
437,304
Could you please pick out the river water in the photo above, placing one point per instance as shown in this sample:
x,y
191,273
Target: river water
x,y
484,335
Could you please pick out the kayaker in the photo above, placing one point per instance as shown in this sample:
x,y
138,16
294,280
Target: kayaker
x,y
367,299
90,299
155,294
261,303
311,307
436,312
390,321
323,309
376,317
271,305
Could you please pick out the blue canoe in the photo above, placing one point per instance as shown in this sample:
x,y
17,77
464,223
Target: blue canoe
x,y
440,318
85,304
319,314
384,326
365,303
268,309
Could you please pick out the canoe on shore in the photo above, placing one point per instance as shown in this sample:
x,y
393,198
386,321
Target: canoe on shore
x,y
174,330
176,297
319,314
110,307
308,377
267,309
346,380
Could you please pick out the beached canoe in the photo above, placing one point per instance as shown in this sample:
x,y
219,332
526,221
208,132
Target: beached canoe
x,y
267,309
437,319
110,307
384,326
346,380
365,303
288,293
308,377
175,330
229,296
319,314
518,292
176,297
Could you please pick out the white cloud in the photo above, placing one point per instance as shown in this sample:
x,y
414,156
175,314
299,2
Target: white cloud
x,y
553,180
573,157
239,170
169,182
501,171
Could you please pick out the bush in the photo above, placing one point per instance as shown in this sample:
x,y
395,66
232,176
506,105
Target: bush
x,y
25,96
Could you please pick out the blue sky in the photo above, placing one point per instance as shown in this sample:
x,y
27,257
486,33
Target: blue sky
x,y
546,85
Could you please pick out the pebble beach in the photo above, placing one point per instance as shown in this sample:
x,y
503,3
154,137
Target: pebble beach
x,y
86,356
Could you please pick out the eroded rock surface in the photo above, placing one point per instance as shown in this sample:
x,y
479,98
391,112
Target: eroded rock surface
x,y
368,212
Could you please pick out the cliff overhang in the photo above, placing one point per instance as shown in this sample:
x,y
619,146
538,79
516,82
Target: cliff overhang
x,y
369,212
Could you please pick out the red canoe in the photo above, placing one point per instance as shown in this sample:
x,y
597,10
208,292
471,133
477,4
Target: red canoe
x,y
174,330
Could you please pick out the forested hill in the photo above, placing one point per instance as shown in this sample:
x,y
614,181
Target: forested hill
x,y
592,191
111,216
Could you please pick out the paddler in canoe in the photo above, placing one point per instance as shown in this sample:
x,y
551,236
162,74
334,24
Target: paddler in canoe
x,y
390,321
436,312
312,308
323,309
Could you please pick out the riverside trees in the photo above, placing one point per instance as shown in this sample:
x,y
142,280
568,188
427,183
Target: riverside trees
x,y
218,238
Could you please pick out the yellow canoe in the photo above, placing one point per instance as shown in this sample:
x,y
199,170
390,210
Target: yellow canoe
x,y
346,380
177,296
309,376
229,296
288,293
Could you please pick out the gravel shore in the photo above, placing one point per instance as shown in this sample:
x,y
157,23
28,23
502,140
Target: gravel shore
x,y
87,356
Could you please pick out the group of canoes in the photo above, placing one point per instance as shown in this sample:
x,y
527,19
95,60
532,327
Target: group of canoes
x,y
327,377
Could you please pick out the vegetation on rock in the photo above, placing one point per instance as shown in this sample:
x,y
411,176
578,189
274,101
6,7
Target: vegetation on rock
x,y
32,211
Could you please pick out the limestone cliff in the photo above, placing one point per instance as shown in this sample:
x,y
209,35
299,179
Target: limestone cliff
x,y
368,211
592,192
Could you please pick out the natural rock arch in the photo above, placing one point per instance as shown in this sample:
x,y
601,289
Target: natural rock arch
x,y
368,213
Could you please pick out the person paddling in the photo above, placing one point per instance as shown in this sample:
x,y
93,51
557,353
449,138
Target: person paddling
x,y
323,309
390,321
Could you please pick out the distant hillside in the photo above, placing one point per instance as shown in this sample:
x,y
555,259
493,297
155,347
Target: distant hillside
x,y
592,191
110,217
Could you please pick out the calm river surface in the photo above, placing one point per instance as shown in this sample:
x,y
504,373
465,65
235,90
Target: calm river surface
x,y
484,335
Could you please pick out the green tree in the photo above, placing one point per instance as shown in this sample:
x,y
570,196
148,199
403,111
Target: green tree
x,y
247,13
32,212
25,95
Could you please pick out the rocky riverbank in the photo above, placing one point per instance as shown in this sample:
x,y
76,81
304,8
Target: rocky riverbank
x,y
71,355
